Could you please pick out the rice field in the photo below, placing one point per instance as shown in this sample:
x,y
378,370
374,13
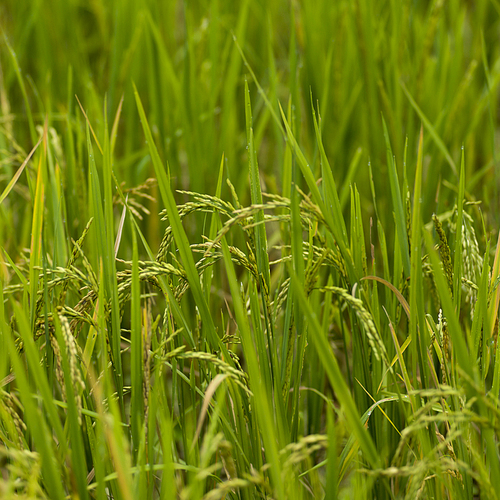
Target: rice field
x,y
249,249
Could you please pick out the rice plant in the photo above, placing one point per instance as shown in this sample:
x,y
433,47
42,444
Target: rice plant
x,y
249,250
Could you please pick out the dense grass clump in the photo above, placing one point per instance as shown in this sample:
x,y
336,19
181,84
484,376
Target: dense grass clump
x,y
249,250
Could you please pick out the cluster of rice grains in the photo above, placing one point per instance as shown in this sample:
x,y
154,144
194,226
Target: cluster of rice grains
x,y
472,260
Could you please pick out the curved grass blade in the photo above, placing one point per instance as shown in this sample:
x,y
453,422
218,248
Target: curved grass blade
x,y
19,171
398,294
432,132
180,236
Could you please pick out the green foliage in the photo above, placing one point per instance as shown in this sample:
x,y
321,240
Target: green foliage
x,y
315,315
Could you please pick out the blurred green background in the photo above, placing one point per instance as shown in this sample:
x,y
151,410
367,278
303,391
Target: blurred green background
x,y
410,62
